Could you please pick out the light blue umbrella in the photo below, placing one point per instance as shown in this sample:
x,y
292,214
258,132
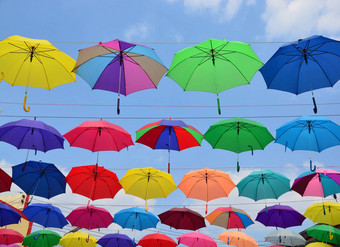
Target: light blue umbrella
x,y
309,133
135,218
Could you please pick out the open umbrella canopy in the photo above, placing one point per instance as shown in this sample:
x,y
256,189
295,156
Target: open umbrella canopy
x,y
196,239
41,238
236,238
229,217
39,178
324,233
318,244
135,218
322,183
214,66
78,239
280,216
8,215
324,212
264,184
156,240
9,236
116,240
93,181
285,237
5,181
182,218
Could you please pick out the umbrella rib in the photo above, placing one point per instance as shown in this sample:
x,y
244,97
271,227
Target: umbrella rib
x,y
231,127
324,72
22,139
298,135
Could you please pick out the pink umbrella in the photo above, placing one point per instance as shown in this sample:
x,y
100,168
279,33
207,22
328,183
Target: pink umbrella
x,y
10,245
9,236
196,239
90,217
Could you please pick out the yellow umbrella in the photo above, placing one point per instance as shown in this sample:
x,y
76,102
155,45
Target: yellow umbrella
x,y
318,244
324,212
34,63
147,183
78,239
236,238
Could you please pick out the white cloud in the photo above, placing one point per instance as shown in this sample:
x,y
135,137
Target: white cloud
x,y
138,31
293,19
231,9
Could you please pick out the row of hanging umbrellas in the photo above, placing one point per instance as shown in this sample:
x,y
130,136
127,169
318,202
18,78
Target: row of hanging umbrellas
x,y
212,66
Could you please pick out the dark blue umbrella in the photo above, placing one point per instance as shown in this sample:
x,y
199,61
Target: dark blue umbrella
x,y
46,215
38,178
135,218
304,65
116,240
8,215
309,133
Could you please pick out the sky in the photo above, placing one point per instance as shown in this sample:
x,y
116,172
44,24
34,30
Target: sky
x,y
169,26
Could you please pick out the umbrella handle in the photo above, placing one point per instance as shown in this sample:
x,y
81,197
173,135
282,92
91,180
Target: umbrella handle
x,y
35,237
218,106
330,236
2,76
315,109
238,166
206,208
169,167
24,105
312,169
118,103
146,206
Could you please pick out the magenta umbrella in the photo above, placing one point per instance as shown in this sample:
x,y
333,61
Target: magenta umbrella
x,y
90,217
196,239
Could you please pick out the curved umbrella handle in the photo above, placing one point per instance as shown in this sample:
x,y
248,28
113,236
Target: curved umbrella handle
x,y
312,169
218,106
2,76
146,206
330,236
35,237
88,238
24,105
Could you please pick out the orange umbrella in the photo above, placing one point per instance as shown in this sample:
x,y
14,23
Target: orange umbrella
x,y
206,184
239,239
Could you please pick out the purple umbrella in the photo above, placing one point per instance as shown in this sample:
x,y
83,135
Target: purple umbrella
x,y
280,216
116,240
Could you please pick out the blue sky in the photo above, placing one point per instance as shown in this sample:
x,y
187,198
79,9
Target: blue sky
x,y
169,26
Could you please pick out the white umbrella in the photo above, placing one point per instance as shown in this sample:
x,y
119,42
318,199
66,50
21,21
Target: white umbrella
x,y
285,237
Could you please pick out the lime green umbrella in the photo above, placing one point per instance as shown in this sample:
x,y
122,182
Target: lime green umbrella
x,y
214,66
238,135
42,238
325,233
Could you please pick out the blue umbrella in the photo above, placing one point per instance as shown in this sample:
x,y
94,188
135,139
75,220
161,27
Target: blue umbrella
x,y
304,65
8,215
135,218
38,178
116,240
46,215
309,133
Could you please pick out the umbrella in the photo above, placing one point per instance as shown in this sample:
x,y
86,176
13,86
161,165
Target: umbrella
x,y
324,212
5,181
318,244
46,215
264,184
116,240
309,133
147,183
214,66
170,135
34,63
238,135
38,178
8,215
324,233
78,239
236,238
196,239
9,245
285,237
42,238
304,65
120,67
229,217
135,218
93,181
206,184
90,217
280,216
182,218
9,236
157,240
322,183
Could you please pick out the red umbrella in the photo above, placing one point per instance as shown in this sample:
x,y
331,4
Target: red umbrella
x,y
5,181
93,181
9,236
90,217
157,240
196,239
182,218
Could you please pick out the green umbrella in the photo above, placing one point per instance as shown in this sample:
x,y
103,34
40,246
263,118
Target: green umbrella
x,y
42,238
214,66
238,135
325,233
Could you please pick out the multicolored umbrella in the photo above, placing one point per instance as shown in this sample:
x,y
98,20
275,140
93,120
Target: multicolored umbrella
x,y
236,238
90,217
238,135
182,218
214,66
42,238
309,133
304,65
324,212
9,236
229,217
147,183
93,181
206,184
157,240
116,240
285,237
34,63
170,135
120,67
78,239
280,216
5,181
324,233
196,239
321,182
8,215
